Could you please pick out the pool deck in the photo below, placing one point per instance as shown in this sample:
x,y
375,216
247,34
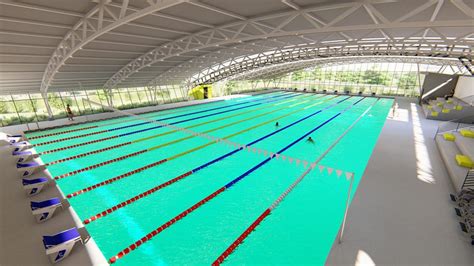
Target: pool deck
x,y
401,214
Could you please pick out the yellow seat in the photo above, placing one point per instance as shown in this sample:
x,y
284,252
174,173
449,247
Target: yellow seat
x,y
449,136
458,107
464,161
445,111
449,101
430,107
434,113
440,104
467,133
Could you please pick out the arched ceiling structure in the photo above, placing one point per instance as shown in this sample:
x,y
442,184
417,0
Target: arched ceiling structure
x,y
277,70
56,44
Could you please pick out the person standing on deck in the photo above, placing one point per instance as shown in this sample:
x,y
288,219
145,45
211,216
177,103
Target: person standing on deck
x,y
70,115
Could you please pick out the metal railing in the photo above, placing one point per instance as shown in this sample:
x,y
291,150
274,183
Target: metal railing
x,y
469,180
455,124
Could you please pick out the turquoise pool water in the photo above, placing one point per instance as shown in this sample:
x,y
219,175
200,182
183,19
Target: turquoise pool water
x,y
301,230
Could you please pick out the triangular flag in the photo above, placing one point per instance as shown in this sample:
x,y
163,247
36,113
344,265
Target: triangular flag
x,y
329,170
290,159
305,163
313,165
297,161
271,154
283,157
321,168
348,175
338,172
265,153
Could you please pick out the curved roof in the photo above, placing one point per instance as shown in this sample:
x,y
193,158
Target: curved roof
x,y
277,70
55,44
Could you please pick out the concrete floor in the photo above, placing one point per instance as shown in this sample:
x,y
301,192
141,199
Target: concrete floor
x,y
20,235
401,214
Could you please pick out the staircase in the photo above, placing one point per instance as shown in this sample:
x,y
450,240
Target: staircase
x,y
461,177
447,110
469,180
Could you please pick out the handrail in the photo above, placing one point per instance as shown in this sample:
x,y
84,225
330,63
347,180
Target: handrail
x,y
469,180
456,120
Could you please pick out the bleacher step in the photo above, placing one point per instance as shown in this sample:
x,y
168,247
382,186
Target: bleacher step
x,y
448,151
465,145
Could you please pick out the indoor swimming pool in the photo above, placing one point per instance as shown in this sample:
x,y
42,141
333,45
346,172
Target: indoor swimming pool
x,y
149,193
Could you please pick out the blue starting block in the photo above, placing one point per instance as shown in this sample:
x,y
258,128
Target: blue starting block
x,y
29,168
59,246
34,186
15,138
23,156
44,210
21,146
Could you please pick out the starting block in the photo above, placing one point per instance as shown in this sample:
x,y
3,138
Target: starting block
x,y
23,156
21,146
44,210
29,168
15,138
34,186
59,246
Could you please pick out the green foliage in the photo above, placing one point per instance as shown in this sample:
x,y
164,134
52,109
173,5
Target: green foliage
x,y
105,96
4,108
55,101
371,76
230,86
67,101
348,88
407,81
297,75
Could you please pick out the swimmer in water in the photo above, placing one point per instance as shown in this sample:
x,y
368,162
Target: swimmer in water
x,y
310,139
277,124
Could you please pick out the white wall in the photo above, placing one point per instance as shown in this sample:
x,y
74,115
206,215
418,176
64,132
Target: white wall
x,y
465,89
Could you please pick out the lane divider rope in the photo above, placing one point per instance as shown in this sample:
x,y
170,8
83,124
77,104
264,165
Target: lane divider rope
x,y
62,132
112,180
148,149
215,194
171,181
144,123
268,211
145,114
156,127
166,133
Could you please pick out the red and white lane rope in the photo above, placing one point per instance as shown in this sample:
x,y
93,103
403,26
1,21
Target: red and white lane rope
x,y
267,212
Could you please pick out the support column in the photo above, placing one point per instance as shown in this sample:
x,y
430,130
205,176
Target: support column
x,y
46,103
418,75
